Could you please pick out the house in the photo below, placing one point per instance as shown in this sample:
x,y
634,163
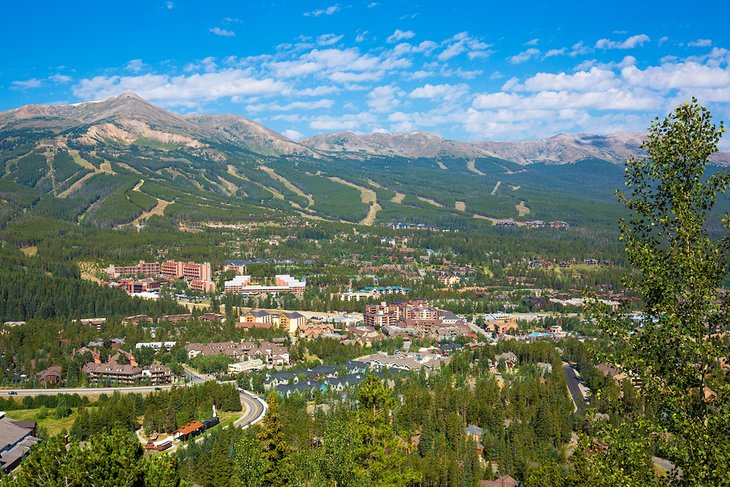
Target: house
x,y
16,440
189,430
504,481
501,324
256,316
473,431
247,325
245,366
277,378
290,321
158,374
510,359
52,375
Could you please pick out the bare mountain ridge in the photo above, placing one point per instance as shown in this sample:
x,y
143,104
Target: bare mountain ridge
x,y
127,119
560,149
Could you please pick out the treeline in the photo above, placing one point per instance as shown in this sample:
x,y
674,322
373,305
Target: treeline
x,y
164,411
407,430
103,459
42,288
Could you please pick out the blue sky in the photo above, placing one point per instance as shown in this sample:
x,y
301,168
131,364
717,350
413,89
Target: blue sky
x,y
477,70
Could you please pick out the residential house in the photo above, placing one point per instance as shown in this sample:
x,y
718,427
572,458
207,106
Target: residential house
x,y
16,440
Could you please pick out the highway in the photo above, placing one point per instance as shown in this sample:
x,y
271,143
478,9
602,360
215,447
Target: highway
x,y
254,408
82,390
572,381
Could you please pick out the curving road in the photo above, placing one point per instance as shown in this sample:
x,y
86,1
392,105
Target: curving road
x,y
575,393
254,408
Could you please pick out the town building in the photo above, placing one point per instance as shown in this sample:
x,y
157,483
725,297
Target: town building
x,y
371,293
283,283
270,353
16,440
245,366
52,375
404,361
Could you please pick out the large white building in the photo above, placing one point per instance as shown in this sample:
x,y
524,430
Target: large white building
x,y
283,283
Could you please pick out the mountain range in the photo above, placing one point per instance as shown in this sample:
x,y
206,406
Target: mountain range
x,y
123,160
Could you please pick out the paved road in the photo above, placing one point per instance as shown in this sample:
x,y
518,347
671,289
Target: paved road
x,y
572,381
253,406
81,390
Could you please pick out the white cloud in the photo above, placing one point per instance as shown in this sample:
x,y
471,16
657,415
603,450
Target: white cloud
x,y
595,79
400,35
222,32
630,43
678,76
532,42
525,56
295,105
328,39
292,134
331,10
60,78
27,84
384,99
445,92
461,43
135,65
343,122
169,5
700,43
289,69
361,36
178,90
349,77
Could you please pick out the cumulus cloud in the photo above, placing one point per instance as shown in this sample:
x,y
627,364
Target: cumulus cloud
x,y
630,43
295,105
440,92
461,43
400,35
222,32
179,90
350,121
331,10
384,99
594,79
135,65
292,134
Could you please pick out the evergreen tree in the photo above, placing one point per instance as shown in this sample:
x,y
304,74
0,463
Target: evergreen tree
x,y
273,443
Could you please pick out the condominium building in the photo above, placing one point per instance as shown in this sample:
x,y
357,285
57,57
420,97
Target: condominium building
x,y
284,283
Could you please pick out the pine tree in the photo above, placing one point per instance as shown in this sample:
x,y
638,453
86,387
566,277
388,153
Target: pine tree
x,y
273,443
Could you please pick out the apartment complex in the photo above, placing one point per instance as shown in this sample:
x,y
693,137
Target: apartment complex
x,y
289,321
415,318
198,276
283,283
115,373
269,353
385,314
